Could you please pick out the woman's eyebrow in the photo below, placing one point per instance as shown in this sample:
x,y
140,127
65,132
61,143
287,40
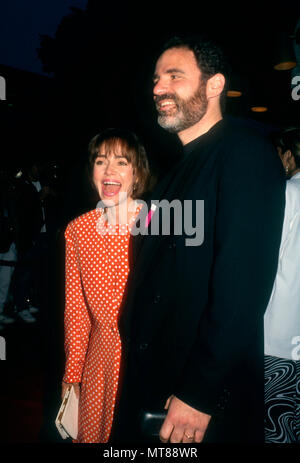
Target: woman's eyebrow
x,y
117,156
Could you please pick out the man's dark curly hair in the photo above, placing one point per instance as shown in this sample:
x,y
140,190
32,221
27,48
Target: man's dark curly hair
x,y
210,57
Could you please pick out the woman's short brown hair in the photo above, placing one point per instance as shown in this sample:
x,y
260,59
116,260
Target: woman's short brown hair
x,y
132,150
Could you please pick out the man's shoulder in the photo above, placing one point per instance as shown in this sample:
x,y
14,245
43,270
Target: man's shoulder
x,y
245,143
236,136
242,132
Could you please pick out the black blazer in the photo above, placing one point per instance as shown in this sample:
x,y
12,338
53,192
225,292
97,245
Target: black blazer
x,y
192,319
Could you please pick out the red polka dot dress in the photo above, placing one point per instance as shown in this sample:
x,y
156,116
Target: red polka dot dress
x,y
96,275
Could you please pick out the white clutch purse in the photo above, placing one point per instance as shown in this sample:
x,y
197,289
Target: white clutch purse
x,y
67,417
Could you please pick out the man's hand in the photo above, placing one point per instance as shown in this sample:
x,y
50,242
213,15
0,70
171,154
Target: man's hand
x,y
183,423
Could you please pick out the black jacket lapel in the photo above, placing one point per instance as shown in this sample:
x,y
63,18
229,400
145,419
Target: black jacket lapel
x,y
144,248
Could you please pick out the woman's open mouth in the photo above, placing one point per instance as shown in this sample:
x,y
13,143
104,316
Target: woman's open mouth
x,y
110,188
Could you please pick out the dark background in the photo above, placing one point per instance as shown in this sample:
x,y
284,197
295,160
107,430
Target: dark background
x,y
98,66
93,71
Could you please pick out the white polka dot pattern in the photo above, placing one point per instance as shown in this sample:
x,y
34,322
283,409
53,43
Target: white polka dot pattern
x,y
96,275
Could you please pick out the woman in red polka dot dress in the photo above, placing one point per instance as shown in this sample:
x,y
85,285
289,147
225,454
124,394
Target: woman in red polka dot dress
x,y
96,274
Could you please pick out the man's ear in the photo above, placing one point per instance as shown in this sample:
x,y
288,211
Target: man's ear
x,y
215,85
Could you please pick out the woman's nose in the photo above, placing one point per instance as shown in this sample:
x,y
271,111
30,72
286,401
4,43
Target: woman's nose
x,y
109,168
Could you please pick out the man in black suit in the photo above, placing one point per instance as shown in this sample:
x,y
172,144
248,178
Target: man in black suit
x,y
192,321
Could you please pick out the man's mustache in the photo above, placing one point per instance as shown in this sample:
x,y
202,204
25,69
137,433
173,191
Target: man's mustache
x,y
165,96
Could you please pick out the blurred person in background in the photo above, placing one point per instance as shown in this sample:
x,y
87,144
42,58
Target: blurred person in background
x,y
282,317
38,210
8,252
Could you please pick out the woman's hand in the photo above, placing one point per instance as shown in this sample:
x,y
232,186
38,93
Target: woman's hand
x,y
65,386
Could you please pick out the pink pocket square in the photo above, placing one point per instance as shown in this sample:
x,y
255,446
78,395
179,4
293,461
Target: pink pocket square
x,y
150,214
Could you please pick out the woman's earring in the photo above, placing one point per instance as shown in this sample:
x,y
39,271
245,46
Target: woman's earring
x,y
286,169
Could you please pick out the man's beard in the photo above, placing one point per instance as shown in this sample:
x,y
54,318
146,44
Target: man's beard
x,y
188,112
